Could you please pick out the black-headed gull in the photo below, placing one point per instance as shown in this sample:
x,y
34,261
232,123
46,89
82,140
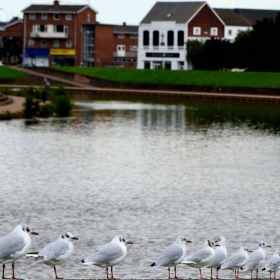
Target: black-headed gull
x,y
108,255
56,252
237,260
257,259
220,255
14,245
202,257
173,254
272,264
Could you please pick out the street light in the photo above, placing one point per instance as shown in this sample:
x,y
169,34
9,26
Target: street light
x,y
1,9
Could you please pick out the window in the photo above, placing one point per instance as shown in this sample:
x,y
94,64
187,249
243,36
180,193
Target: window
x,y
121,36
196,31
56,43
134,36
170,38
230,32
30,43
146,38
44,44
88,17
60,28
44,16
68,44
134,48
32,16
180,38
156,38
56,16
68,16
214,31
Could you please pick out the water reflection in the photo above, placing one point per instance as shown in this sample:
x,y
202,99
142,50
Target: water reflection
x,y
148,170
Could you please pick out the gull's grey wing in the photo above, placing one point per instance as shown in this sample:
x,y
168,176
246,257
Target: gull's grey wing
x,y
199,256
105,254
256,260
273,263
10,244
54,250
170,255
234,260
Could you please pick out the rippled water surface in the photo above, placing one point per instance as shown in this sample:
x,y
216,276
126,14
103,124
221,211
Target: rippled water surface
x,y
146,170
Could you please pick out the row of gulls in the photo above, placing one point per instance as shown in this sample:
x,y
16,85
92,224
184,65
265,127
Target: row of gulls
x,y
16,244
213,255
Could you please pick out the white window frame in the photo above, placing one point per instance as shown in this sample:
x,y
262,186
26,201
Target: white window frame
x,y
44,43
44,16
229,32
134,36
88,17
121,36
68,44
32,16
134,48
31,43
56,16
56,44
214,31
196,30
68,17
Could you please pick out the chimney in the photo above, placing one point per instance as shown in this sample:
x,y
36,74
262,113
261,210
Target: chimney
x,y
56,3
15,18
124,23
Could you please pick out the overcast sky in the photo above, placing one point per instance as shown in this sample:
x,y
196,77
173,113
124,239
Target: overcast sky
x,y
129,11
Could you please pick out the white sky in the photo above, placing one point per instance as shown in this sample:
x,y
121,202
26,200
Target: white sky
x,y
130,11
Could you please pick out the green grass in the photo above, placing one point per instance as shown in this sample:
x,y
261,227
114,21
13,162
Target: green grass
x,y
9,73
207,78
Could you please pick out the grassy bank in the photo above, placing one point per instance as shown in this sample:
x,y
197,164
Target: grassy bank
x,y
9,73
207,78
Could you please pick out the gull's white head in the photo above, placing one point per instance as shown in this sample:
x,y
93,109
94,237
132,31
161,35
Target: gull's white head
x,y
220,241
120,239
68,236
263,244
182,239
25,229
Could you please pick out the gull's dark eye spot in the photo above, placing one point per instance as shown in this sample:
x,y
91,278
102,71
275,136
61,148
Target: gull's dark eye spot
x,y
123,240
67,235
120,240
27,229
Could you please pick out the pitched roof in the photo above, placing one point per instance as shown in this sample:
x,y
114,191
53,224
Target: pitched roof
x,y
257,15
180,12
232,18
54,8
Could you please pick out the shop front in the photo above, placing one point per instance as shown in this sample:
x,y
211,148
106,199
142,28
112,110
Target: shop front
x,y
62,57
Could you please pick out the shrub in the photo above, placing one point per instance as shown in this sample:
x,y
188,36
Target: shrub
x,y
61,102
46,110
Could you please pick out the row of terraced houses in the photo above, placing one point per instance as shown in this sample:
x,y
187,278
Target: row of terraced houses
x,y
71,35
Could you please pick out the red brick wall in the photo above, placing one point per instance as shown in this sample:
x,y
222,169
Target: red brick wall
x,y
205,19
104,45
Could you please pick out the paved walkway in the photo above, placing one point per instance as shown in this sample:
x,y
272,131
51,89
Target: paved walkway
x,y
14,107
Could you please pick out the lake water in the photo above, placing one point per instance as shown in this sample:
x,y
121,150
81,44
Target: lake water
x,y
148,170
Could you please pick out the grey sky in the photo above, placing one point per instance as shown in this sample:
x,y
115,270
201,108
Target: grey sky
x,y
129,11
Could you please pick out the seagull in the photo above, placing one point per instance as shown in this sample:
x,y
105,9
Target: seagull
x,y
202,257
272,264
56,252
220,255
173,254
257,259
14,245
237,261
108,255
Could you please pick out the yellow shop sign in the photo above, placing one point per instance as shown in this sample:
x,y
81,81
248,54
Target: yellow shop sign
x,y
62,52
